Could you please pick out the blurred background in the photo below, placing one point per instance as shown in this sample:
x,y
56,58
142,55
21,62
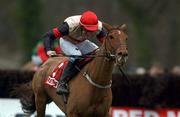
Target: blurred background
x,y
153,27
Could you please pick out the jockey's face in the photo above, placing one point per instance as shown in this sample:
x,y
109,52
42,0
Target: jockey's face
x,y
88,34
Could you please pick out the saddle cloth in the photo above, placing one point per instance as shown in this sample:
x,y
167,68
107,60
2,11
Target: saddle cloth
x,y
55,75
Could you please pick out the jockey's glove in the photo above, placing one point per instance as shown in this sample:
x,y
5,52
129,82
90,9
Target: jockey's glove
x,y
51,53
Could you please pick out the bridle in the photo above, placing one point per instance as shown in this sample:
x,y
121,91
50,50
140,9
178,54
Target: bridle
x,y
111,55
108,54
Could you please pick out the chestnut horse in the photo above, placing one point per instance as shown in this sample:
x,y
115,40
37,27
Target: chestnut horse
x,y
90,90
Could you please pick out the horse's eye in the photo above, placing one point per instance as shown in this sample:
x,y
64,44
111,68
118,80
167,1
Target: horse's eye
x,y
111,37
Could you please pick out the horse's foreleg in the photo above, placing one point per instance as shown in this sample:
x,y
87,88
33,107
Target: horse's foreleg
x,y
40,105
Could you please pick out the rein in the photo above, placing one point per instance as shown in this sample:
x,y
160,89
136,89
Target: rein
x,y
107,54
84,56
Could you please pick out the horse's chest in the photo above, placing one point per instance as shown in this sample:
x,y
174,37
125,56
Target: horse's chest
x,y
96,110
93,108
90,102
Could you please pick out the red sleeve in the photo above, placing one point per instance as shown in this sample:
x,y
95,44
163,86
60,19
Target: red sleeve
x,y
42,53
56,33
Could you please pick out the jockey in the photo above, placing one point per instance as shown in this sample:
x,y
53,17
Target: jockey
x,y
79,29
39,55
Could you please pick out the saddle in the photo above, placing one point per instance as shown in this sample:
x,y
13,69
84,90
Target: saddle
x,y
56,73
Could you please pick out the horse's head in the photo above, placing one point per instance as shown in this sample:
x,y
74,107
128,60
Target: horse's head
x,y
116,43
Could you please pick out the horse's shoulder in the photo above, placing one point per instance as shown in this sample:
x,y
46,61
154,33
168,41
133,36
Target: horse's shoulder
x,y
53,61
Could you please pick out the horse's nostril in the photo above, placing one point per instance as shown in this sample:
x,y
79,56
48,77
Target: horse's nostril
x,y
126,54
119,54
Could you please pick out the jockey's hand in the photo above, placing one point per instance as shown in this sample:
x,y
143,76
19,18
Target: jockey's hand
x,y
51,53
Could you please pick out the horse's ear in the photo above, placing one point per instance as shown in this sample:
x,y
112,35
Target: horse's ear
x,y
107,26
123,27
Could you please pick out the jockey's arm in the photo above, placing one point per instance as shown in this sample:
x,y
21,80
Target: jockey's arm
x,y
53,34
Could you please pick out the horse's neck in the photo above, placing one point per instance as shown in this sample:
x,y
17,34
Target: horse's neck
x,y
101,68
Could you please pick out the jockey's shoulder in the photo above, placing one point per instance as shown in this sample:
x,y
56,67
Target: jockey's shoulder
x,y
74,18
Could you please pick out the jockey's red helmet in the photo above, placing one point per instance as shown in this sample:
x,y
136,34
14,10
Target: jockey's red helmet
x,y
89,21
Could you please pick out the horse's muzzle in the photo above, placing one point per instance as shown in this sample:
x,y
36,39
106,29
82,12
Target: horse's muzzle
x,y
121,58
